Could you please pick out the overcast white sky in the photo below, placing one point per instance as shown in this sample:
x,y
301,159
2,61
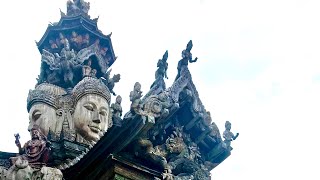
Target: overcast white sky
x,y
258,67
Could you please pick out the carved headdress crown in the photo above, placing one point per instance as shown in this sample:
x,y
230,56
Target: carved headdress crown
x,y
89,85
45,93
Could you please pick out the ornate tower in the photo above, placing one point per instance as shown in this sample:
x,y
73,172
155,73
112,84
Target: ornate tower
x,y
76,133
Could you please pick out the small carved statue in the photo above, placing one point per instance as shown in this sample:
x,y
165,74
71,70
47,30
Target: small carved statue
x,y
103,51
135,96
53,45
66,64
117,110
61,40
67,72
93,73
162,67
86,68
110,82
35,151
66,52
186,58
161,71
86,40
76,39
228,135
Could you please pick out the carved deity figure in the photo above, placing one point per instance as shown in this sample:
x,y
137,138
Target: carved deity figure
x,y
42,104
228,135
115,79
35,151
66,52
161,72
135,96
92,113
61,40
44,116
162,67
53,45
186,58
103,51
66,65
76,40
93,73
110,82
117,110
91,116
86,40
86,68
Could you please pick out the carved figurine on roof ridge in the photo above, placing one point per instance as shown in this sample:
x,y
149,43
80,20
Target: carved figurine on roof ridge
x,y
117,111
135,96
186,58
229,136
110,82
161,71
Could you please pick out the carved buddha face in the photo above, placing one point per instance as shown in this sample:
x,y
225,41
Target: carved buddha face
x,y
44,116
91,116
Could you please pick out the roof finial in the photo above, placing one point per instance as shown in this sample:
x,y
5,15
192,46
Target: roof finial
x,y
77,7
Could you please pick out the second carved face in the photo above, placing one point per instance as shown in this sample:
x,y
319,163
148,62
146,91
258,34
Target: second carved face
x,y
91,116
44,116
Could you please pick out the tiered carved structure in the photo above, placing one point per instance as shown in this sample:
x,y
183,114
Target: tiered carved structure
x,y
76,133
